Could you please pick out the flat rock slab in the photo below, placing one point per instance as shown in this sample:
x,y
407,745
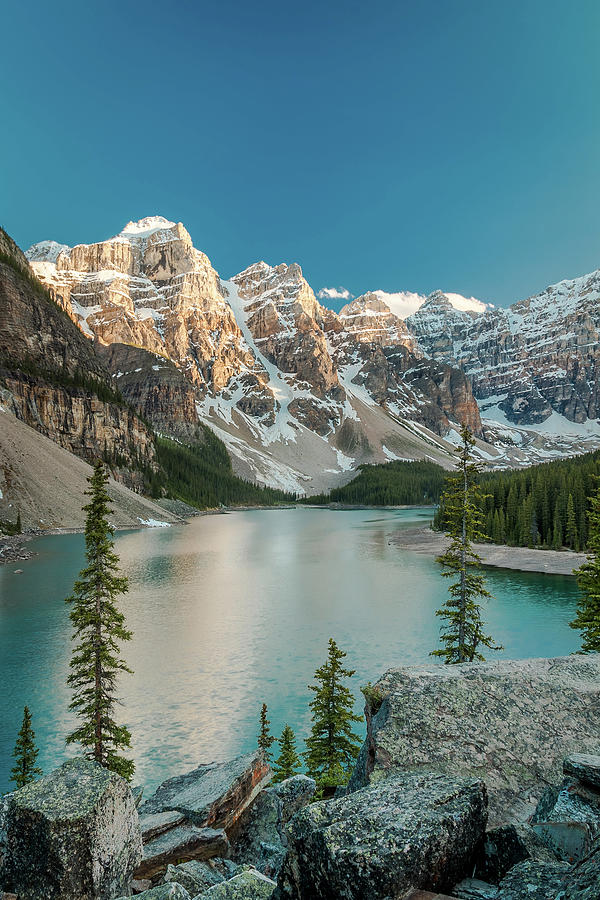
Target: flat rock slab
x,y
163,892
509,722
185,842
534,881
250,885
212,795
197,877
406,831
153,824
585,767
71,834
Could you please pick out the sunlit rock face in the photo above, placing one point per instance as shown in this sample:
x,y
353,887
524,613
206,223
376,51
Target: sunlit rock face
x,y
263,362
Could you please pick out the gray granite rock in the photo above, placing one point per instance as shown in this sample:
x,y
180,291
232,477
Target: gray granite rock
x,y
163,892
475,889
408,830
185,842
153,824
583,882
72,834
196,876
531,880
260,837
568,819
509,722
585,767
212,795
249,885
506,846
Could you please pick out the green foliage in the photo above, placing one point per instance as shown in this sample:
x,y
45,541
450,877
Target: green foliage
x,y
201,474
373,697
27,275
7,527
288,762
397,483
25,754
98,628
78,380
265,738
587,619
531,507
332,747
462,500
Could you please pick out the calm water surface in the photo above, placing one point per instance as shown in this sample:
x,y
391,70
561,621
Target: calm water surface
x,y
235,609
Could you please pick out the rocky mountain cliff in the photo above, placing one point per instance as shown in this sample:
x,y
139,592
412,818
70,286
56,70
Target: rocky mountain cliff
x,y
531,366
52,379
300,395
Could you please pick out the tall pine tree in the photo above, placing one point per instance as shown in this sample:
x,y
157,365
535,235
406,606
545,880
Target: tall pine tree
x,y
99,626
25,754
587,619
462,499
288,762
265,738
332,746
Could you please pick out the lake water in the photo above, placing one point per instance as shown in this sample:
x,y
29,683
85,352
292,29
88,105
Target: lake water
x,y
233,610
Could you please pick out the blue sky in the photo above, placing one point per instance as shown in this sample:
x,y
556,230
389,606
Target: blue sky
x,y
398,145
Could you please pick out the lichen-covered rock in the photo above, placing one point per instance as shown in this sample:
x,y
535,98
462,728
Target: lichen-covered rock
x,y
408,830
260,836
506,846
509,722
585,767
249,885
568,819
212,795
583,880
172,891
185,842
196,876
475,889
73,834
154,824
531,880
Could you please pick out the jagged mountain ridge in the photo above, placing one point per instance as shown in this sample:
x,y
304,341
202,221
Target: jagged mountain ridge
x,y
533,366
299,397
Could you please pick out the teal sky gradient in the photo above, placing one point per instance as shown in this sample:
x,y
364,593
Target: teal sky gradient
x,y
396,145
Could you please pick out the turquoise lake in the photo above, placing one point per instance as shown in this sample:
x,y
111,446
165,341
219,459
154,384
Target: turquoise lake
x,y
233,610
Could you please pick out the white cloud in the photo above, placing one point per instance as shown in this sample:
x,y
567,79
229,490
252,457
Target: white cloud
x,y
332,293
405,303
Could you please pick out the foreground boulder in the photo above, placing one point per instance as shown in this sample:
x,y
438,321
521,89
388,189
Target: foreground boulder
x,y
260,837
509,722
189,816
249,885
408,830
72,834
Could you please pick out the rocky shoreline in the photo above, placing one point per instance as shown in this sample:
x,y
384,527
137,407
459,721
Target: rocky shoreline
x,y
12,548
476,782
522,559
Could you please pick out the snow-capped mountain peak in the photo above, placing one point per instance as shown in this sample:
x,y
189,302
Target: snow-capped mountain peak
x,y
147,226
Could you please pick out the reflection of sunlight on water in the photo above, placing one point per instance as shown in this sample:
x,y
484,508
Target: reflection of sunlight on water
x,y
233,610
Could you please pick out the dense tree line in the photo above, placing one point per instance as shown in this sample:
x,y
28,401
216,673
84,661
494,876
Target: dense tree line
x,y
201,474
542,506
60,377
395,483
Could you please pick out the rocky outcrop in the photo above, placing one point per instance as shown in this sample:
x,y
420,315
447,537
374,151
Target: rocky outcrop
x,y
55,382
540,355
370,321
406,831
509,723
189,816
260,836
155,387
70,835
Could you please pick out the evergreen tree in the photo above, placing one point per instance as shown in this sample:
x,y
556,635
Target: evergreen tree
x,y
25,754
18,526
571,536
288,762
332,746
463,634
265,738
587,619
98,627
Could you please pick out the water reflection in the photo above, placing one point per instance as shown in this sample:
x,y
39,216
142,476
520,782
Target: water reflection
x,y
236,609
